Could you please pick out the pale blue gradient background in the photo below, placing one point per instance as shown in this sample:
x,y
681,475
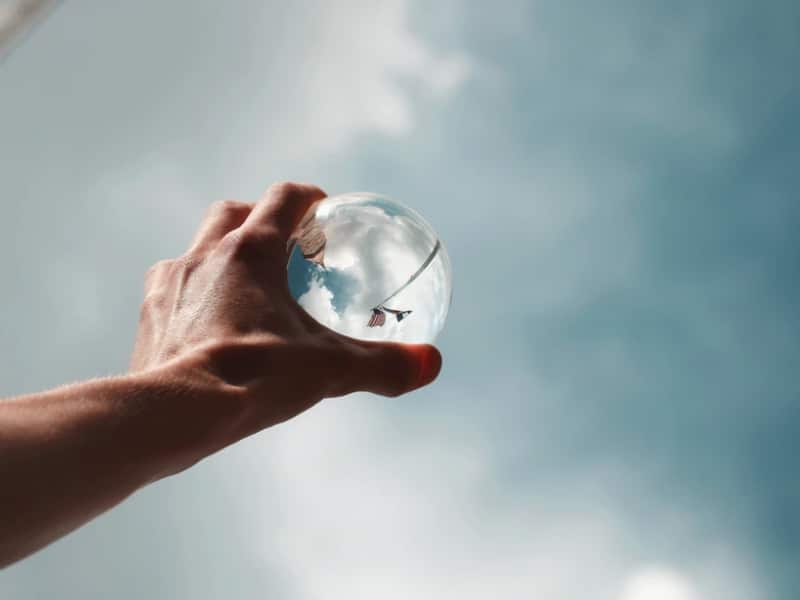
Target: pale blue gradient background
x,y
616,186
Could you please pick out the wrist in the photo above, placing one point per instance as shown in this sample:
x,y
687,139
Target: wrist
x,y
180,415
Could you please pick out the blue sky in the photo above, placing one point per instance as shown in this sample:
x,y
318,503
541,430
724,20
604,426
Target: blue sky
x,y
618,411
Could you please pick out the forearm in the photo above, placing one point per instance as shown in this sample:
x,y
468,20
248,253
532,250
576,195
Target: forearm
x,y
69,454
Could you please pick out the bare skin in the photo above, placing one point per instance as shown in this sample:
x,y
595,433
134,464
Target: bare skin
x,y
222,352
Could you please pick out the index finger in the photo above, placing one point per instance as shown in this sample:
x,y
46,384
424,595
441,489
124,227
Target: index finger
x,y
282,208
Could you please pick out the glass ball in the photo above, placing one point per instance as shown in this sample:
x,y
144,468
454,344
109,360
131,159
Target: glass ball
x,y
371,268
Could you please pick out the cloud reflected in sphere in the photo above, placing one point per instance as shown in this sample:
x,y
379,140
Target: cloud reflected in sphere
x,y
371,268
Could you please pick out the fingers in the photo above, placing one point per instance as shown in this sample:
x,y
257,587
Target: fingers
x,y
389,368
282,208
221,218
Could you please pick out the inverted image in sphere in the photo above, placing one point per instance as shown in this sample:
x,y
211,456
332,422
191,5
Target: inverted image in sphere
x,y
371,268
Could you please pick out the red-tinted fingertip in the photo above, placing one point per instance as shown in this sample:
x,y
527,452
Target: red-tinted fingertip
x,y
430,363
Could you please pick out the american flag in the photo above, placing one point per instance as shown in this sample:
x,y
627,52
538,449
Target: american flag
x,y
378,318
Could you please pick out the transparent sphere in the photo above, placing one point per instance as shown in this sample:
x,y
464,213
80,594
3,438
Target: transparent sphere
x,y
371,268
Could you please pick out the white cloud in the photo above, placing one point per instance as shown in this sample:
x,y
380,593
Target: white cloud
x,y
333,74
658,583
356,75
371,509
318,302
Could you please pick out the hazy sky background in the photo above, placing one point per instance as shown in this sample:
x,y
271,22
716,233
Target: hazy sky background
x,y
617,417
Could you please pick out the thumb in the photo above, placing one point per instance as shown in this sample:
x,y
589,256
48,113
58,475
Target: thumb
x,y
390,368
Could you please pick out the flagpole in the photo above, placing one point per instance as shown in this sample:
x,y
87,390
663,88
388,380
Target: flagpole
x,y
418,272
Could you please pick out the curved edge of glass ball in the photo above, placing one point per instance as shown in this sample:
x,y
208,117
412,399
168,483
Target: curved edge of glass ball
x,y
372,268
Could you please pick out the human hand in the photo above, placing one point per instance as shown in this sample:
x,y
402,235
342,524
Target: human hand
x,y
220,320
222,351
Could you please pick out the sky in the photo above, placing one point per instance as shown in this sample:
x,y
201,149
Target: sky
x,y
617,416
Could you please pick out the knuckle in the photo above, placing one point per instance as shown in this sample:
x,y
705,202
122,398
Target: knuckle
x,y
161,265
187,262
153,302
283,188
157,269
291,189
154,298
229,242
228,207
252,243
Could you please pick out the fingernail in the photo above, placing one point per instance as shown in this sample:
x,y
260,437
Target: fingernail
x,y
430,363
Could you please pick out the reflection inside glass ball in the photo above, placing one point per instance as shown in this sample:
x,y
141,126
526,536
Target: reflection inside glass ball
x,y
371,268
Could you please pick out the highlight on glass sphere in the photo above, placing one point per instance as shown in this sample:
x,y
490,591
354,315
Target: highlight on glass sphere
x,y
371,268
